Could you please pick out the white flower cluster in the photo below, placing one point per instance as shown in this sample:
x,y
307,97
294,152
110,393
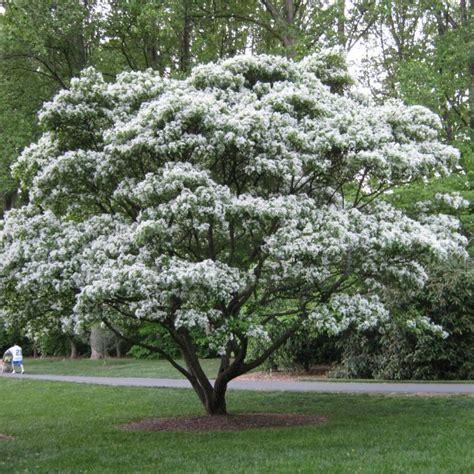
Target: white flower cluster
x,y
453,200
329,65
344,311
379,244
423,324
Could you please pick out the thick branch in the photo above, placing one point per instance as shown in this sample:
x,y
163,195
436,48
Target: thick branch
x,y
184,340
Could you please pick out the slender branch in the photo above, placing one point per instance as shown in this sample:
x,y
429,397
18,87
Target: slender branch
x,y
125,54
458,112
270,350
54,74
233,369
268,317
380,190
353,40
236,16
210,240
272,10
361,183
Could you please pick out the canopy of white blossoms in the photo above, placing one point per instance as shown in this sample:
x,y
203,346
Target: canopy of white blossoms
x,y
250,193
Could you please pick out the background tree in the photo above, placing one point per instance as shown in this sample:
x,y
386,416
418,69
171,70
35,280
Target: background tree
x,y
421,50
394,351
43,44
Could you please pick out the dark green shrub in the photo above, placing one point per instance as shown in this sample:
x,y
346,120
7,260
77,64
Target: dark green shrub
x,y
397,353
301,352
154,335
11,335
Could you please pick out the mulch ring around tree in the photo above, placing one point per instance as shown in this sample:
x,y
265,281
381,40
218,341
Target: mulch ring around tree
x,y
240,422
4,437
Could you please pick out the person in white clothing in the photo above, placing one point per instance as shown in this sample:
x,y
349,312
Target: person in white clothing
x,y
17,358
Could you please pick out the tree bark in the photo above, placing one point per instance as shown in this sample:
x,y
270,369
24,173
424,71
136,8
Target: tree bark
x,y
216,404
285,23
10,199
73,347
212,397
471,71
463,8
341,23
98,350
185,57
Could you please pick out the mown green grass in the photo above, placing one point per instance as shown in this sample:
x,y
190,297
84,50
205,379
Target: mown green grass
x,y
73,428
112,367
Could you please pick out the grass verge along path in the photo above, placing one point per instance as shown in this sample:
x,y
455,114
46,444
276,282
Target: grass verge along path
x,y
123,367
56,427
152,368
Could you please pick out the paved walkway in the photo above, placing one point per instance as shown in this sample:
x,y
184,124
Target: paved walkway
x,y
266,385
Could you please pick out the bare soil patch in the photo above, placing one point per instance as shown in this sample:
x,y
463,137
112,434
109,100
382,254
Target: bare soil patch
x,y
316,373
4,437
226,423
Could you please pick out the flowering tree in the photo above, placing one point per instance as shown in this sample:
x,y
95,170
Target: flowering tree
x,y
248,196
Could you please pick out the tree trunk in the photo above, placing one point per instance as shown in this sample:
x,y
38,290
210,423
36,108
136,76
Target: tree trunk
x,y
341,23
289,40
73,346
213,398
95,354
285,23
98,349
216,404
185,58
471,73
463,8
9,201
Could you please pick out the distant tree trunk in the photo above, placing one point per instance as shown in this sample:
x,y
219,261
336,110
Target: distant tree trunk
x,y
285,23
289,20
185,59
444,23
98,348
463,8
151,54
471,70
9,199
73,347
341,23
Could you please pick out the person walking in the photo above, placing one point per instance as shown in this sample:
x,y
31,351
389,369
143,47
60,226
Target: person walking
x,y
17,358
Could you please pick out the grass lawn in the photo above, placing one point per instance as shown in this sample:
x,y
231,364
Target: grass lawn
x,y
61,427
112,367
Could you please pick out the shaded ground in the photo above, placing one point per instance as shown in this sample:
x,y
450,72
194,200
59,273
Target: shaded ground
x,y
241,422
281,375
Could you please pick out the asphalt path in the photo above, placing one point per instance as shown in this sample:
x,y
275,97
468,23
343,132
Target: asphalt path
x,y
269,386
